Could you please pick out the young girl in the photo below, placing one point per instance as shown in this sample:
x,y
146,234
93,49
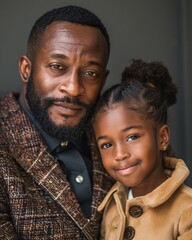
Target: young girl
x,y
149,200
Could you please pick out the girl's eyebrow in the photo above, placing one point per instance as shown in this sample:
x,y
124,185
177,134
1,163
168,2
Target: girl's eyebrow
x,y
101,137
132,127
123,130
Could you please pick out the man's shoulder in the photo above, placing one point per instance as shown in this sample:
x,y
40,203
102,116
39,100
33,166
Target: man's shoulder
x,y
11,114
10,96
9,102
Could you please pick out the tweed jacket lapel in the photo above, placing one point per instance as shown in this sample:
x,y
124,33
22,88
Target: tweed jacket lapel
x,y
100,176
30,152
27,147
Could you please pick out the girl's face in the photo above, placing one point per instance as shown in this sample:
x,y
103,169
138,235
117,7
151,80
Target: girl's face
x,y
130,148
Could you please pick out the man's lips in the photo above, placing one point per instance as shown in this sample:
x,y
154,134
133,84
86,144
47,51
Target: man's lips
x,y
67,108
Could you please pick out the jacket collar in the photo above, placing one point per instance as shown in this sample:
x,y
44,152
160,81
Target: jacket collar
x,y
29,151
177,171
53,142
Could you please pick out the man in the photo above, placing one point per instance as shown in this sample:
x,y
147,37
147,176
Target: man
x,y
51,178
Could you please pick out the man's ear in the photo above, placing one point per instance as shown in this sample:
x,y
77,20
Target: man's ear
x,y
164,134
25,68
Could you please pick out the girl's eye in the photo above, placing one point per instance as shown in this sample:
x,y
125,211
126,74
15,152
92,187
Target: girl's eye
x,y
106,145
132,137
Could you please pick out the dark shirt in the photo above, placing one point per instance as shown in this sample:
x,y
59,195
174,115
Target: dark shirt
x,y
75,160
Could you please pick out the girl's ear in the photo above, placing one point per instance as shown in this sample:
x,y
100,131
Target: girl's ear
x,y
164,134
25,68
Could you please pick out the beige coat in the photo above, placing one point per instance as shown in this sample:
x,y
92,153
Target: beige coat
x,y
163,214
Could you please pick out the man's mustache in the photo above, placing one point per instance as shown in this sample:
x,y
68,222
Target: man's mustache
x,y
76,101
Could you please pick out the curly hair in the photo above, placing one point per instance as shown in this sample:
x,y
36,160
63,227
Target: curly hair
x,y
146,87
72,14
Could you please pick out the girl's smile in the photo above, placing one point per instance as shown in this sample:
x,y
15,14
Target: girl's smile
x,y
130,147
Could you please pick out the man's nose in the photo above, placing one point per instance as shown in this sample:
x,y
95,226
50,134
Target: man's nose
x,y
71,84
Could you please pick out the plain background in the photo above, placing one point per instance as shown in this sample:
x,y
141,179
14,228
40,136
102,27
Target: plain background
x,y
149,29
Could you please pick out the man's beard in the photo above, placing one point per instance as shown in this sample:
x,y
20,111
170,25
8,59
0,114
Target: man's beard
x,y
39,108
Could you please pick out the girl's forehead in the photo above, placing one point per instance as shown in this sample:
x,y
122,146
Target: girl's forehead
x,y
121,113
133,105
117,113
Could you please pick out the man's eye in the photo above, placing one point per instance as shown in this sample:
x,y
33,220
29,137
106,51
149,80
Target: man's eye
x,y
56,66
106,145
91,74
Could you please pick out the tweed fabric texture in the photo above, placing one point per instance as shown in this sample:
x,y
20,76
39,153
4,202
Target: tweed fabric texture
x,y
36,200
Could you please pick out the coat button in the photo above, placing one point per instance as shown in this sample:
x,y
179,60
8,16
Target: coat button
x,y
129,233
135,211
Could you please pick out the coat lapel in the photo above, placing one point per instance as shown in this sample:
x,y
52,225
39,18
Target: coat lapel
x,y
47,173
102,182
27,148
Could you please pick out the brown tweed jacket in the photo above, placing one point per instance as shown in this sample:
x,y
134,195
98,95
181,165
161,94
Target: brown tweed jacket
x,y
36,201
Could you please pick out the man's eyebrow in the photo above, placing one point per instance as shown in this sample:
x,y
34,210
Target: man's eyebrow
x,y
58,56
62,56
96,64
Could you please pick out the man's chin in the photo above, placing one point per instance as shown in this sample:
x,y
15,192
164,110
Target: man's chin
x,y
70,133
67,123
65,130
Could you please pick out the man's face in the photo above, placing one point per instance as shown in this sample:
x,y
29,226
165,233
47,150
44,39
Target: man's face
x,y
68,73
39,107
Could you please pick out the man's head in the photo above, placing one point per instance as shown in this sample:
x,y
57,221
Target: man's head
x,y
71,14
65,69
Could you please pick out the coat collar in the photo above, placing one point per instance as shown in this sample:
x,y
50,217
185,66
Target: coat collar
x,y
53,142
28,149
177,171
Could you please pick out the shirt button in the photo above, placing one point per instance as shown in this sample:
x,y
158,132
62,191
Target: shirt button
x,y
135,211
79,179
129,233
64,144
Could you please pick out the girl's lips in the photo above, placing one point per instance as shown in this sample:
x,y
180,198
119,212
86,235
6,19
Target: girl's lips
x,y
126,170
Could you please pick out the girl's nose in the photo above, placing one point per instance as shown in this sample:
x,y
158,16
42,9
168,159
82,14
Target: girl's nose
x,y
121,153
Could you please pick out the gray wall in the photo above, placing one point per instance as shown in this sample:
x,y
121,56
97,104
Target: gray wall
x,y
150,29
